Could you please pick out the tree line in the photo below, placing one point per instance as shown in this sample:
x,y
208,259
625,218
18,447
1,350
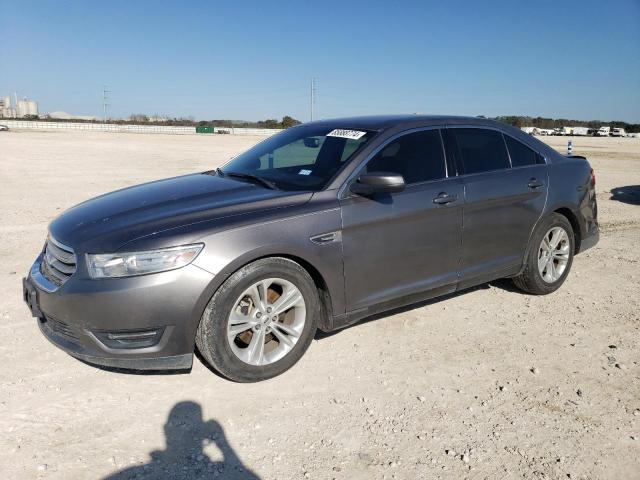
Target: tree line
x,y
139,118
288,121
550,123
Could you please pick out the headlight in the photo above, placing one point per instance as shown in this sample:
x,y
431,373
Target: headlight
x,y
108,265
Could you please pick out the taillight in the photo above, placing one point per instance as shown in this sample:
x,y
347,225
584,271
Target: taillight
x,y
593,178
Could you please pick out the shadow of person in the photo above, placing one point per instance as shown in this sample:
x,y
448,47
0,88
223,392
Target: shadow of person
x,y
629,194
184,458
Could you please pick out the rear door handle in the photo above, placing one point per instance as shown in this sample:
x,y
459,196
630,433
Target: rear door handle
x,y
535,183
444,198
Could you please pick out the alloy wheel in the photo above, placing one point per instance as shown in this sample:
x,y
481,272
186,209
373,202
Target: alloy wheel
x,y
266,321
553,254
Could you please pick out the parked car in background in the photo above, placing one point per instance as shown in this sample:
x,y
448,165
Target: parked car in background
x,y
603,132
317,227
618,132
3,128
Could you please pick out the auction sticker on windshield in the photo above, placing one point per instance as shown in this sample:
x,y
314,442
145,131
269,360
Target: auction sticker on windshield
x,y
353,134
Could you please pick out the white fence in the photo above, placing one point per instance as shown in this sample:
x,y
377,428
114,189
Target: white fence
x,y
98,127
112,127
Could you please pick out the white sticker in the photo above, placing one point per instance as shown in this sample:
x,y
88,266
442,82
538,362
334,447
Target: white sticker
x,y
353,134
304,172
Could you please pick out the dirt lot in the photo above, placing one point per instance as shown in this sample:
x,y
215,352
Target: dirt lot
x,y
489,383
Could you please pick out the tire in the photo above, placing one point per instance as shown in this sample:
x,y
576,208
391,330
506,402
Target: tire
x,y
531,280
224,354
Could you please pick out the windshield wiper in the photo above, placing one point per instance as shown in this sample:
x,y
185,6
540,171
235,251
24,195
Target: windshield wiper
x,y
253,178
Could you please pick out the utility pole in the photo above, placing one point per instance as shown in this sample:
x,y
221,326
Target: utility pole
x,y
313,93
105,97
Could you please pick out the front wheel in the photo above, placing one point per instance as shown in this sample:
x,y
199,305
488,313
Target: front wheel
x,y
549,256
260,321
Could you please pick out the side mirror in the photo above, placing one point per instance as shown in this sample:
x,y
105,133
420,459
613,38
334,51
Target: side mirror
x,y
311,142
378,182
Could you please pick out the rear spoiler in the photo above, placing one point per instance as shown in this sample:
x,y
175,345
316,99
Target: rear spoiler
x,y
577,157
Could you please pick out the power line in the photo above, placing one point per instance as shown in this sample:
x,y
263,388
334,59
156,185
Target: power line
x,y
313,96
311,101
105,97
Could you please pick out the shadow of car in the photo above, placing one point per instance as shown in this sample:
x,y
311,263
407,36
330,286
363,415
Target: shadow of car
x,y
629,194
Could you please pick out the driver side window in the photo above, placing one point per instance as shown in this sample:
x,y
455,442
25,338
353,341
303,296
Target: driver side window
x,y
417,156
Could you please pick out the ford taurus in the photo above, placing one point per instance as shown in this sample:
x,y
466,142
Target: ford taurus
x,y
316,227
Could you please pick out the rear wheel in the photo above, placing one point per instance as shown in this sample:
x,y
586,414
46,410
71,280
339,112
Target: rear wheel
x,y
260,321
549,256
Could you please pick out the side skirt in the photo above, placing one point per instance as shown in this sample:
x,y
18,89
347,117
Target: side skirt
x,y
345,320
342,321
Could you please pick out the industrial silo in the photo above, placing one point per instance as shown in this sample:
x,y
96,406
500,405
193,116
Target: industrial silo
x,y
32,107
5,107
27,107
21,107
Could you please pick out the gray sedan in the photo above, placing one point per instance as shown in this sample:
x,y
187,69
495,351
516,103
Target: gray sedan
x,y
317,227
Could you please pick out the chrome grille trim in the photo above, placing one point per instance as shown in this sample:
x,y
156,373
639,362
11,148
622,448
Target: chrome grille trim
x,y
58,262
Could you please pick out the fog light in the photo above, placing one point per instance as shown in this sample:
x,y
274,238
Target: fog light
x,y
128,339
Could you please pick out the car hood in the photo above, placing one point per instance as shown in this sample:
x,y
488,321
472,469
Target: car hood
x,y
105,223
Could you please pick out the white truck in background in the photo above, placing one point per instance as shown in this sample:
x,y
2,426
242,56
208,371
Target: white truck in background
x,y
582,131
618,132
603,132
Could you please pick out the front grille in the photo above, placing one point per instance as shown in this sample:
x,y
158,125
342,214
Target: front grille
x,y
58,263
60,328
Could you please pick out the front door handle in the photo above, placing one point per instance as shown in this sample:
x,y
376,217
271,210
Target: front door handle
x,y
535,183
444,198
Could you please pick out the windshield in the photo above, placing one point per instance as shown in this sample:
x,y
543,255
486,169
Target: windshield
x,y
300,158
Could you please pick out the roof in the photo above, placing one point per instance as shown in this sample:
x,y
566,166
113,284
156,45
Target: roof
x,y
382,122
405,122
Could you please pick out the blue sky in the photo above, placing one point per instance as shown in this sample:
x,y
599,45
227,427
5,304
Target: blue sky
x,y
253,60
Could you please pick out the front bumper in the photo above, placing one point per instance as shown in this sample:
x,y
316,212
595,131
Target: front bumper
x,y
78,314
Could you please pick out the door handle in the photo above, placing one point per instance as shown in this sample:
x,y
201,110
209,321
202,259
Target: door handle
x,y
535,183
444,198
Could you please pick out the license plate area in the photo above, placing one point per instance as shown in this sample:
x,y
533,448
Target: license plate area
x,y
30,295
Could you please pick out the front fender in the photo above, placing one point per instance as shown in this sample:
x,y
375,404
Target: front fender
x,y
227,251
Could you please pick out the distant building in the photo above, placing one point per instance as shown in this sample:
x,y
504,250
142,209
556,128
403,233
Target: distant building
x,y
6,111
158,118
69,116
21,109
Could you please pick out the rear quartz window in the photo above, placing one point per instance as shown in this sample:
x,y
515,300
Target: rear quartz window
x,y
520,154
481,150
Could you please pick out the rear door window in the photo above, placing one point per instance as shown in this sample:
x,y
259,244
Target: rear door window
x,y
417,156
482,150
520,154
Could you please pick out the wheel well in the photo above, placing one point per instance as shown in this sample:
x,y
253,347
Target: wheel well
x,y
326,311
574,225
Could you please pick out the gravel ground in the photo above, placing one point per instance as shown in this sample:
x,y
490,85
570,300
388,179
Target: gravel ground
x,y
488,383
